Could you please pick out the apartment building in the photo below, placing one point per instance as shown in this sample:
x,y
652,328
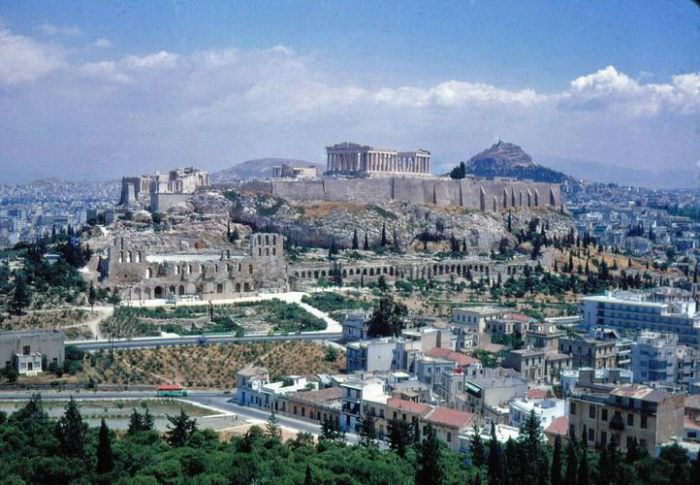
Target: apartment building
x,y
630,412
597,351
668,310
658,358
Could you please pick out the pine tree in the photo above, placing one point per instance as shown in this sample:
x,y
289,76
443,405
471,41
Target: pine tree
x,y
355,241
71,431
476,446
135,422
147,421
428,470
555,470
272,428
105,460
180,429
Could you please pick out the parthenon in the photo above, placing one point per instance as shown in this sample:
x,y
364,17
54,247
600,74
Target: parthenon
x,y
362,160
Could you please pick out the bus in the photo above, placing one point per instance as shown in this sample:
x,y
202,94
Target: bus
x,y
171,390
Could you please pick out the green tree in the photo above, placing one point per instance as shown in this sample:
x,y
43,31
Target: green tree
x,y
308,478
429,470
368,432
92,296
330,429
135,422
495,459
555,477
365,245
71,431
272,428
584,474
105,459
383,242
476,446
21,296
571,462
180,429
399,436
331,354
355,241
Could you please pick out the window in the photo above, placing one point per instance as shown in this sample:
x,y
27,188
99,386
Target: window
x,y
26,350
630,441
603,438
604,414
449,437
572,408
644,421
591,435
591,412
630,419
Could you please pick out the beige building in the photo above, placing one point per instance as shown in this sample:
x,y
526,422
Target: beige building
x,y
630,412
538,365
590,352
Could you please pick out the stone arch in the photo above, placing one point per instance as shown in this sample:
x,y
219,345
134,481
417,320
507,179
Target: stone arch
x,y
181,290
529,198
552,198
512,198
137,293
158,292
495,203
147,293
482,199
172,290
505,198
537,198
219,287
238,287
149,273
246,286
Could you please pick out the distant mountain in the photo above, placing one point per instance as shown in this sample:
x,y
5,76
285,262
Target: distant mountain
x,y
507,160
259,168
611,173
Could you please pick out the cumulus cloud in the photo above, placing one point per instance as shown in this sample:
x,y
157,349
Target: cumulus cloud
x,y
51,29
609,89
23,59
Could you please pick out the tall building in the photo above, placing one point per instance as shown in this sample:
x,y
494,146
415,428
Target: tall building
x,y
363,160
667,310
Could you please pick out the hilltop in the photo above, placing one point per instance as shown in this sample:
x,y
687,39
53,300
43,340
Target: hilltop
x,y
257,169
507,160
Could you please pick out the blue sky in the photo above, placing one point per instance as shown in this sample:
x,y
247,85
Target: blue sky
x,y
102,88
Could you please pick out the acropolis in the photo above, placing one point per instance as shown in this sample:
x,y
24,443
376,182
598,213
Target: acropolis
x,y
362,160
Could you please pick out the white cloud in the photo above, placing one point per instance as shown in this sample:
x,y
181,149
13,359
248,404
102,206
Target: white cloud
x,y
159,60
23,59
102,43
51,29
104,70
609,89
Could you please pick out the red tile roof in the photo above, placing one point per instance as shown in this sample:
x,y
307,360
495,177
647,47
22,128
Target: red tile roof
x,y
558,426
409,406
450,417
536,393
518,317
458,358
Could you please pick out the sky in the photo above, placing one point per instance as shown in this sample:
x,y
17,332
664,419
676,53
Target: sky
x,y
97,90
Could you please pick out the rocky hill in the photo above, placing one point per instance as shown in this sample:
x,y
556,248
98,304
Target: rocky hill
x,y
259,168
507,160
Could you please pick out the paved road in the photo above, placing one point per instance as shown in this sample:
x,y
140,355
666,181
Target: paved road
x,y
145,342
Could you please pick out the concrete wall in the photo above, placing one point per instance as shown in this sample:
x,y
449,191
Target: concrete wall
x,y
472,193
48,342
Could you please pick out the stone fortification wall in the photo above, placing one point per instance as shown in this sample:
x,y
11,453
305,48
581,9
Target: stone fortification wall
x,y
472,193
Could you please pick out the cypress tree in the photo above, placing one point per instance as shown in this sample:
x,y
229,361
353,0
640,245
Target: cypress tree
x,y
365,246
355,241
71,431
555,471
308,479
105,460
571,462
494,459
272,428
147,421
135,422
477,449
584,477
429,471
368,432
383,241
